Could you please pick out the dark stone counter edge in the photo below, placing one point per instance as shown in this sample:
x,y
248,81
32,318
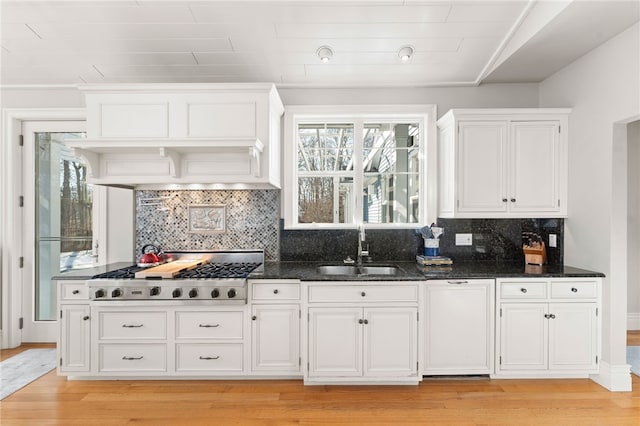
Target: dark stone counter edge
x,y
409,271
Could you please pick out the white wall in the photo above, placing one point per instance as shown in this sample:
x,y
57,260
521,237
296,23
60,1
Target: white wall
x,y
603,88
487,96
633,226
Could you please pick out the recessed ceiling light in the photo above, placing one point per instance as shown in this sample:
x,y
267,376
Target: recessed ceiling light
x,y
405,53
324,53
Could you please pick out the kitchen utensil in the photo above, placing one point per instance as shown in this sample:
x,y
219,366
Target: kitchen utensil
x,y
150,258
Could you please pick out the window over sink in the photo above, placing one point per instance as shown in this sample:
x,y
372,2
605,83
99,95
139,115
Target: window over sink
x,y
350,165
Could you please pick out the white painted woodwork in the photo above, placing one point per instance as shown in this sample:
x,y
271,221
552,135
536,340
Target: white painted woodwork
x,y
275,291
550,333
71,290
159,135
390,342
207,358
335,342
137,358
352,338
459,330
500,163
209,325
132,325
275,338
74,341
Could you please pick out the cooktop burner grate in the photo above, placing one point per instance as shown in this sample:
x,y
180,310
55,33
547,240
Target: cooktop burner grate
x,y
206,271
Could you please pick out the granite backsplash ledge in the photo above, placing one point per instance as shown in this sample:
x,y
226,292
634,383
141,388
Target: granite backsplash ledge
x,y
497,240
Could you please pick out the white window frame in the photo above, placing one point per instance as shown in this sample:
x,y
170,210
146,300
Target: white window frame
x,y
424,115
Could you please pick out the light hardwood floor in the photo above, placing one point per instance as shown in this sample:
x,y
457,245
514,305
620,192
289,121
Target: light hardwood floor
x,y
52,400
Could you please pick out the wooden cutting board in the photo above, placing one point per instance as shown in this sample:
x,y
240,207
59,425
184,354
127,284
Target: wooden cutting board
x,y
170,269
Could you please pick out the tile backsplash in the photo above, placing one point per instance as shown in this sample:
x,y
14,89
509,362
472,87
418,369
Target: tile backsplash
x,y
252,218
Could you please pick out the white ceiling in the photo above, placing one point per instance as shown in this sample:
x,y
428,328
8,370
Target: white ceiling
x,y
455,42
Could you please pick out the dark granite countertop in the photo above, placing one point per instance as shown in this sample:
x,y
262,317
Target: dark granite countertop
x,y
408,271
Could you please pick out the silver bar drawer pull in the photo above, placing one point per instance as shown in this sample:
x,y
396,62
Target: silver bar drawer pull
x,y
458,282
209,325
132,358
132,325
209,357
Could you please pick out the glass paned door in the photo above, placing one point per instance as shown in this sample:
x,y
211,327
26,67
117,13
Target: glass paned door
x,y
58,219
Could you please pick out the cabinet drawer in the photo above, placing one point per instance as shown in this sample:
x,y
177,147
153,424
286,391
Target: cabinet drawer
x,y
523,290
573,290
74,291
363,293
132,325
131,357
209,325
223,357
275,291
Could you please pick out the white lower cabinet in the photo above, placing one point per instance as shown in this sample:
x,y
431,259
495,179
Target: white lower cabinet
x,y
366,342
275,327
545,331
459,318
74,342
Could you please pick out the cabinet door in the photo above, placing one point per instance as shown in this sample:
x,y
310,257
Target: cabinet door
x,y
572,336
335,342
523,336
459,327
390,344
275,334
74,338
482,159
534,166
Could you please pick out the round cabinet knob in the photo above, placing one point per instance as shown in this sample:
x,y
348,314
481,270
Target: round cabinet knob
x,y
116,293
360,321
524,290
275,291
75,292
513,200
231,293
363,294
99,294
573,289
193,293
86,317
215,293
176,293
254,318
504,200
154,291
366,322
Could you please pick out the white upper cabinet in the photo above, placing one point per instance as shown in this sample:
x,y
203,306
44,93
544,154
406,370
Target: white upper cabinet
x,y
497,163
159,136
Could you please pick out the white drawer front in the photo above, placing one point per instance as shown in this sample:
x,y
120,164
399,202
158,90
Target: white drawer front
x,y
74,291
195,357
144,357
363,293
132,325
574,290
209,325
523,290
275,291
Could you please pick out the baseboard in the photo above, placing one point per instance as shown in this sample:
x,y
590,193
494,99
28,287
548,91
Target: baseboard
x,y
633,321
616,378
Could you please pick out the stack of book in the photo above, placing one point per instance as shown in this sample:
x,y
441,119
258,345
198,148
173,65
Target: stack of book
x,y
434,260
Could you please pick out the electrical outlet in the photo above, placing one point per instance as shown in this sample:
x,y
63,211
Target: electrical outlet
x,y
553,240
464,239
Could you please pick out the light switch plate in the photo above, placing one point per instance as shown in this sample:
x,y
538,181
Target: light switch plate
x,y
464,239
553,240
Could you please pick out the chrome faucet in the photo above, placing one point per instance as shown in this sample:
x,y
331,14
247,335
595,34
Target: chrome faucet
x,y
362,238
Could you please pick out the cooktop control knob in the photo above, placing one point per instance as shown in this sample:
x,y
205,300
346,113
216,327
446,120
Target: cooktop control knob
x,y
116,293
193,293
215,293
154,291
231,293
99,294
177,293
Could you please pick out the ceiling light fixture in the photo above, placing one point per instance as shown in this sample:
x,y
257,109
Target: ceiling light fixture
x,y
405,53
324,53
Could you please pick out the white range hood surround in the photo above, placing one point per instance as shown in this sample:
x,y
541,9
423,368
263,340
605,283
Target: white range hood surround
x,y
182,136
